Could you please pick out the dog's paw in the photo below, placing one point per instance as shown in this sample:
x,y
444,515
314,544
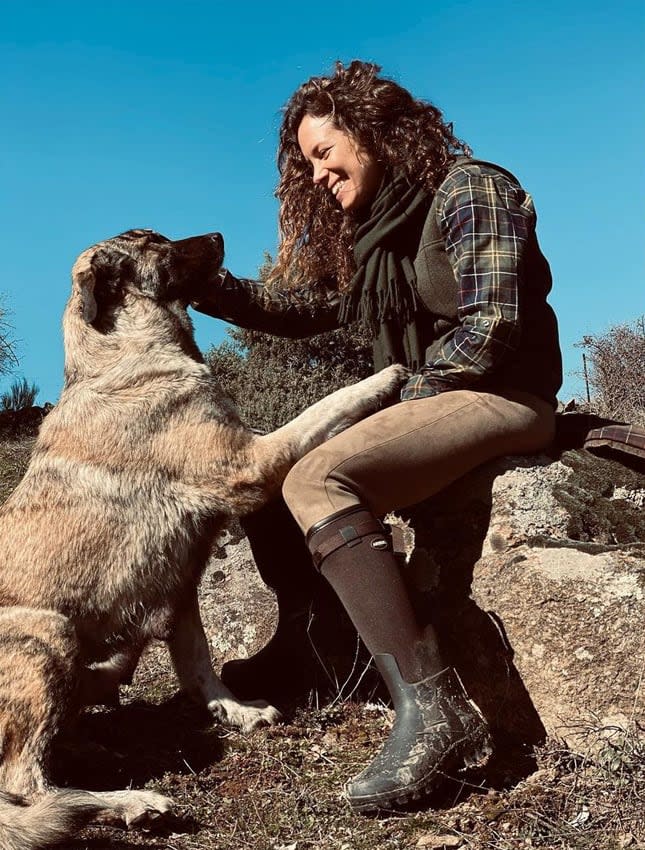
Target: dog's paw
x,y
244,716
143,808
393,376
386,384
132,808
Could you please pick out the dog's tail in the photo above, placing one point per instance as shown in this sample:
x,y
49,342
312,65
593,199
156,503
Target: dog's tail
x,y
49,820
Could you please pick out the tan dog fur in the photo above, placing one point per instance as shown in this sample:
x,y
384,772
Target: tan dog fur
x,y
134,472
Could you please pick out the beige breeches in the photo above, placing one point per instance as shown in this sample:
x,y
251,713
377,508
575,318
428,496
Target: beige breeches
x,y
407,452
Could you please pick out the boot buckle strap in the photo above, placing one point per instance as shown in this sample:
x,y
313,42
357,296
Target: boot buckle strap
x,y
348,535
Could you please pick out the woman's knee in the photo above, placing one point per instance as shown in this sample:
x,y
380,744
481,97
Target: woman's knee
x,y
313,491
291,488
303,481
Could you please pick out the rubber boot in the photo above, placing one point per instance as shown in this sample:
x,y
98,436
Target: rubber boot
x,y
437,727
437,731
286,668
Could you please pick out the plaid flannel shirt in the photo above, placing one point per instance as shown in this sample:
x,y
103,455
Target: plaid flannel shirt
x,y
486,220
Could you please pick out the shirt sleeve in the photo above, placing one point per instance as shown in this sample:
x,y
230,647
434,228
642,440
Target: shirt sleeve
x,y
486,220
289,313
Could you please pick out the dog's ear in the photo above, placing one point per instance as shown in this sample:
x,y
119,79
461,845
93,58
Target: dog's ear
x,y
84,280
99,282
88,307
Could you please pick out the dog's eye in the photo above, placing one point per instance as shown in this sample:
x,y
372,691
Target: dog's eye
x,y
156,245
156,250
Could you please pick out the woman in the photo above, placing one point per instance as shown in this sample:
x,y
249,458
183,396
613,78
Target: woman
x,y
386,219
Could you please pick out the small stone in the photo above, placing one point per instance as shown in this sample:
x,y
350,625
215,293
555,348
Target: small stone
x,y
438,842
331,739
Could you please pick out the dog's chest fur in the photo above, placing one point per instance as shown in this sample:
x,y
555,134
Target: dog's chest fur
x,y
113,522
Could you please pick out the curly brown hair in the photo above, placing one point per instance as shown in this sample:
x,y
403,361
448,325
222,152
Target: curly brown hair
x,y
404,133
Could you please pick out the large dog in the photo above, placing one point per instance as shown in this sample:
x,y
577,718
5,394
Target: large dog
x,y
104,541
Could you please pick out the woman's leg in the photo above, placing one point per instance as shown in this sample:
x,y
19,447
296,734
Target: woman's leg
x,y
398,457
412,450
311,622
284,668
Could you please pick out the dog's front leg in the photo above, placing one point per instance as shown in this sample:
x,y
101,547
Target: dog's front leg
x,y
100,682
192,663
276,453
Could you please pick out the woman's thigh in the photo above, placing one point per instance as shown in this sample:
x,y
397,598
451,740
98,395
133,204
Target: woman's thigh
x,y
407,452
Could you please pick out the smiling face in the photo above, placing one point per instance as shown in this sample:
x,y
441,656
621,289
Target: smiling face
x,y
339,164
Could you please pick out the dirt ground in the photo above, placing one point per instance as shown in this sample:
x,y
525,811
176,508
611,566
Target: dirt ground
x,y
280,788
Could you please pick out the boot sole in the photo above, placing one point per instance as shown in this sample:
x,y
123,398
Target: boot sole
x,y
465,754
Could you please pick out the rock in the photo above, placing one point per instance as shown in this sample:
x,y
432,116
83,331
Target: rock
x,y
532,569
239,611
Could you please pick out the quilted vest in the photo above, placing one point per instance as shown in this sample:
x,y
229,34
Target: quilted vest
x,y
536,366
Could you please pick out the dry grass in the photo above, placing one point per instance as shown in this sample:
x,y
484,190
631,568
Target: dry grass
x,y
14,456
281,788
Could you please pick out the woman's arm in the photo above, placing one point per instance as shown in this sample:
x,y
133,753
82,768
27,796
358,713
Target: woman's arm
x,y
290,313
487,221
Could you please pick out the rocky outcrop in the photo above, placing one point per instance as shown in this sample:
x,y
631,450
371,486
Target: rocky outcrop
x,y
238,610
533,570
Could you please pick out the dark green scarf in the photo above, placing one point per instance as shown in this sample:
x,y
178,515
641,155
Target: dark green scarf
x,y
383,294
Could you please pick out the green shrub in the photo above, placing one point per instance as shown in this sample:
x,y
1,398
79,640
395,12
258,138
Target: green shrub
x,y
19,396
272,379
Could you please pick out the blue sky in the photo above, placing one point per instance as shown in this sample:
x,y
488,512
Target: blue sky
x,y
165,115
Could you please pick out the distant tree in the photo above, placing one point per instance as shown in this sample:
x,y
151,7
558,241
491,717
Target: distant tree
x,y
19,396
272,379
615,371
8,359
